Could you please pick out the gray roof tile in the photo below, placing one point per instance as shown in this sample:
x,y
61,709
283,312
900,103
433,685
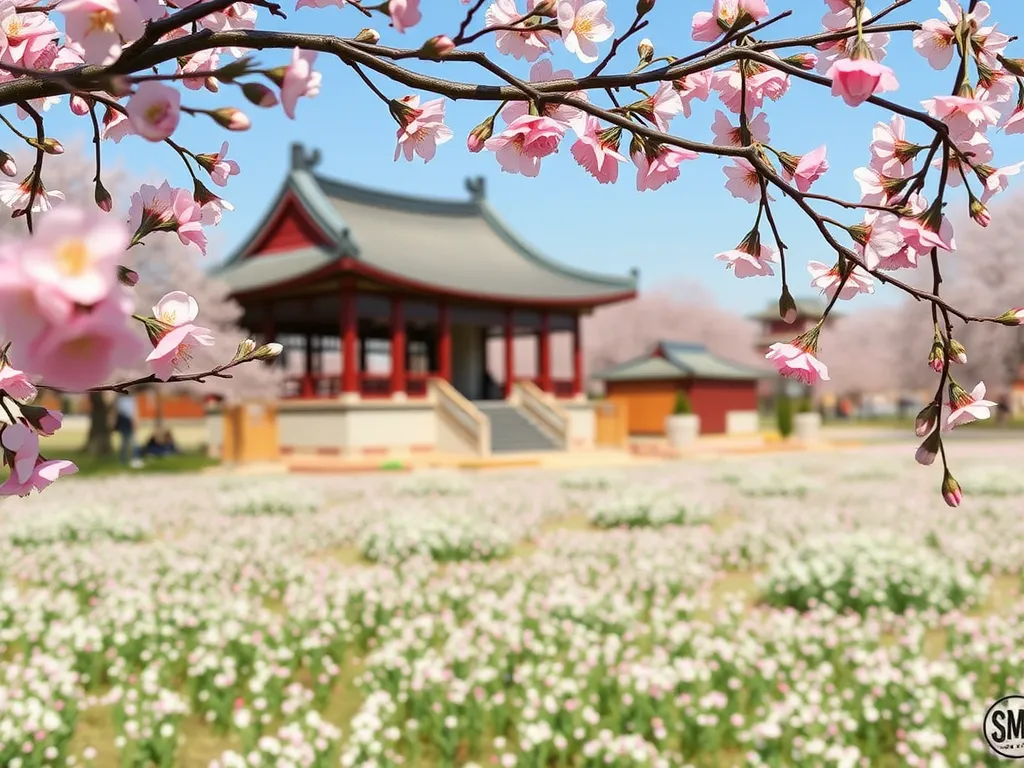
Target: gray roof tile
x,y
681,360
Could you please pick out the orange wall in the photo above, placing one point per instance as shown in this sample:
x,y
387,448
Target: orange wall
x,y
174,407
649,403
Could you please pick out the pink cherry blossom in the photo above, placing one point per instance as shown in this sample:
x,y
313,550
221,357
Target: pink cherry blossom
x,y
424,131
98,27
728,135
172,351
856,80
744,181
827,279
936,41
878,238
541,72
43,475
73,259
996,180
658,168
21,450
596,149
696,85
796,360
520,45
167,209
927,230
86,350
237,16
765,83
29,35
979,114
965,408
527,140
584,24
154,110
707,27
300,80
837,50
16,384
807,169
876,188
404,14
16,195
890,150
48,422
115,126
201,61
218,166
750,258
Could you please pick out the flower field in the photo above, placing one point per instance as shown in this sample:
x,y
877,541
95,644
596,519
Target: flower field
x,y
824,610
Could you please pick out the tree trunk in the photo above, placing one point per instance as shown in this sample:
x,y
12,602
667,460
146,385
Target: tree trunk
x,y
99,441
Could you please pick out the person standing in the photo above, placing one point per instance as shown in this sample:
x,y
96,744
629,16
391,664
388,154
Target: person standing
x,y
124,425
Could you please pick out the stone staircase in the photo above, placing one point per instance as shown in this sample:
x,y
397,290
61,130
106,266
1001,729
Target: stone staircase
x,y
512,431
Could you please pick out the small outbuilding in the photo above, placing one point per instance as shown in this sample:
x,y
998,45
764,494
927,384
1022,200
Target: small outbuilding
x,y
722,393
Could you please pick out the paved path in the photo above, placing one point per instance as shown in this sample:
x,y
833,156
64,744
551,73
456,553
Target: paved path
x,y
868,434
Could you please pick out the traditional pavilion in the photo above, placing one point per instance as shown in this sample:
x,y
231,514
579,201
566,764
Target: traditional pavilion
x,y
427,282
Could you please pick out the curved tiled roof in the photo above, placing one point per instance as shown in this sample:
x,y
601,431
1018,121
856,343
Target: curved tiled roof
x,y
679,360
460,247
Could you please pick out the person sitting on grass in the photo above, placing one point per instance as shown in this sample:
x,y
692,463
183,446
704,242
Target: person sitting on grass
x,y
161,443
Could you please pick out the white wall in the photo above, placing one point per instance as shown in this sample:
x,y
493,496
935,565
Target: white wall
x,y
468,360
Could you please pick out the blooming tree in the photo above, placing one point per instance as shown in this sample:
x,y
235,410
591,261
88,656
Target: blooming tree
x,y
126,66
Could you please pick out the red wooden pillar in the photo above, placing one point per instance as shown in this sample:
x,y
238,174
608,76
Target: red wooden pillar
x,y
349,335
577,357
398,346
308,388
444,342
510,353
544,353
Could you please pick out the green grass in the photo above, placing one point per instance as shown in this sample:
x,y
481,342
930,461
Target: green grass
x,y
92,466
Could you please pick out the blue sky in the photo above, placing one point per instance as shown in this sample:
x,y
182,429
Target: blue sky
x,y
669,234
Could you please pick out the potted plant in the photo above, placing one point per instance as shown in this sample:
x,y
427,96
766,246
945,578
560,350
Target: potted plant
x,y
683,426
808,422
784,415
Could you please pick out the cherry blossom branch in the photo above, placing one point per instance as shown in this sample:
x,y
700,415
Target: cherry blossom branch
x,y
638,24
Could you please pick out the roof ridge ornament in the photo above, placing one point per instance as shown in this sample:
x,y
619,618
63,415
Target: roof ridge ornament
x,y
303,160
477,188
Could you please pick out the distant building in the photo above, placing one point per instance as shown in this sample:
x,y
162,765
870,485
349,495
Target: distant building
x,y
423,284
721,392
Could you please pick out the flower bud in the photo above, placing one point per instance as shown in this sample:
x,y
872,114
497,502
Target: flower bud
x,y
979,212
276,75
1012,317
480,134
128,277
952,493
212,84
371,36
102,197
547,8
437,47
259,94
643,7
7,164
79,106
957,352
925,422
929,449
787,306
231,118
49,146
645,50
805,61
268,351
245,349
119,86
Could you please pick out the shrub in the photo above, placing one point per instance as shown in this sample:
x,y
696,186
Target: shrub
x,y
282,500
647,509
868,569
682,406
784,415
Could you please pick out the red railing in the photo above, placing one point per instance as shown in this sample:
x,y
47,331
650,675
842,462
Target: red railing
x,y
371,385
560,388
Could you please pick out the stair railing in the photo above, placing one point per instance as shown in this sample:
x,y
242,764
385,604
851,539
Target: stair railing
x,y
457,411
543,409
